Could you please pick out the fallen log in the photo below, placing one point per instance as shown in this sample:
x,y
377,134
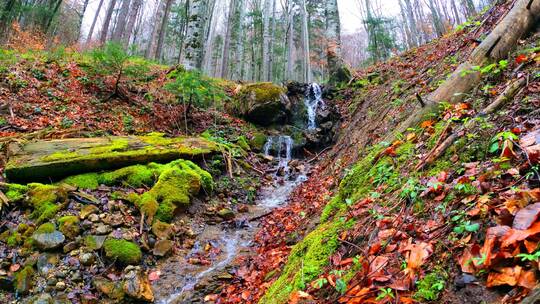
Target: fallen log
x,y
502,40
54,159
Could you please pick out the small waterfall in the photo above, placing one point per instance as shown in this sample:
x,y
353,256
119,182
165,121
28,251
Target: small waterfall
x,y
282,147
313,101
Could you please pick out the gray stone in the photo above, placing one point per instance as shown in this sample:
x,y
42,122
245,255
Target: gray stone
x,y
103,229
87,259
48,241
226,213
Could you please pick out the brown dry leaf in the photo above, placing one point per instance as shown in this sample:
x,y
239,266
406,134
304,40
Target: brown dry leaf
x,y
527,279
418,254
506,276
530,245
492,234
526,217
513,235
466,259
299,295
377,264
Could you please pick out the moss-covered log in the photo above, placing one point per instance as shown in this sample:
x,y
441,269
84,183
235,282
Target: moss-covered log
x,y
54,159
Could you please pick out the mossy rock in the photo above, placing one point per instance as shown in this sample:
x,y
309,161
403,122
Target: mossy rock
x,y
263,103
69,226
24,280
55,159
122,251
14,192
257,141
46,201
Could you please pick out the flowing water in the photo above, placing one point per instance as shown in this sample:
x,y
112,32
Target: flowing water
x,y
313,101
181,280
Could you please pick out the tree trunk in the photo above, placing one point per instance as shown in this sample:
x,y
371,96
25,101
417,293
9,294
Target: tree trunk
x,y
455,12
194,36
126,36
81,17
290,43
336,67
266,39
107,22
121,21
227,40
163,29
270,76
306,62
158,15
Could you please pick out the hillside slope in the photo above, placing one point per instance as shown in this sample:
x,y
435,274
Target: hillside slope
x,y
446,212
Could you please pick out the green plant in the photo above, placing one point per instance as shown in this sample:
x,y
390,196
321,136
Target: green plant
x,y
411,190
430,287
532,257
461,224
385,293
383,174
497,141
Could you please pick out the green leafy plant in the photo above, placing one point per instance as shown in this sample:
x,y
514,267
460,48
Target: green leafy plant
x,y
532,257
462,225
430,287
497,140
385,293
411,190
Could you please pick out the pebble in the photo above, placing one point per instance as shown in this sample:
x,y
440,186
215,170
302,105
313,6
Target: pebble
x,y
60,286
93,218
87,259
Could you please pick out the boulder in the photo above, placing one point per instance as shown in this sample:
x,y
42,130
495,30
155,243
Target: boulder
x,y
263,103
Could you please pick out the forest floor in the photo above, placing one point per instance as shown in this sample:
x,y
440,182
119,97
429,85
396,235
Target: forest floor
x,y
376,221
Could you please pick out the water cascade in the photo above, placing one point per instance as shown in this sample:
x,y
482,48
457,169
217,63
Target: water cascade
x,y
312,101
283,151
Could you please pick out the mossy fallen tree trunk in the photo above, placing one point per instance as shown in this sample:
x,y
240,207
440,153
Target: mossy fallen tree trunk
x,y
503,39
55,159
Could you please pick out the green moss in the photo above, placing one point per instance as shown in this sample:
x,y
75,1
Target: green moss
x,y
23,279
165,212
117,145
135,176
306,261
263,91
174,186
46,228
83,181
14,239
46,201
90,242
439,128
122,251
63,155
147,204
15,192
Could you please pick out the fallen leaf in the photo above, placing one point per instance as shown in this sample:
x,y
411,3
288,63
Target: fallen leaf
x,y
515,235
506,276
418,254
526,217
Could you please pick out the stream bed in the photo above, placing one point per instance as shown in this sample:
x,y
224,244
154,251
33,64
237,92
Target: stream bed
x,y
185,282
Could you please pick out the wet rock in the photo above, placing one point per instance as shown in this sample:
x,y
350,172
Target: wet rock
x,y
162,230
87,259
137,286
94,242
76,277
163,248
48,240
110,289
103,229
46,263
122,251
87,210
226,214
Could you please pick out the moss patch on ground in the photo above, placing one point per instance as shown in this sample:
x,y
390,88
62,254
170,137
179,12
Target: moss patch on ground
x,y
307,260
122,251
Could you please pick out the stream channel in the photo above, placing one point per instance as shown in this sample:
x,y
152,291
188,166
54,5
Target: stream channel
x,y
184,282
